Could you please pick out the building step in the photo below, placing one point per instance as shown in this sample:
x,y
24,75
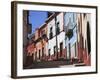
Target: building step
x,y
80,64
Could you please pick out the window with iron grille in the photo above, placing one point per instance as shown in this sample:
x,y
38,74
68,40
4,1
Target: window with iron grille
x,y
58,28
49,52
54,50
51,33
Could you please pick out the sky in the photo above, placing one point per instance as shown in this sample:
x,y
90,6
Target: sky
x,y
37,18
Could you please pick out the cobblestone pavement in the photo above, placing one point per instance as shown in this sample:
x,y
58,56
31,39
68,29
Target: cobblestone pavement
x,y
50,64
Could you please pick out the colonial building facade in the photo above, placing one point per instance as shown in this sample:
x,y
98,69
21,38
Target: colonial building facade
x,y
38,44
84,37
63,36
70,27
56,36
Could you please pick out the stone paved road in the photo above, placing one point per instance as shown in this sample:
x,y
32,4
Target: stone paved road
x,y
49,64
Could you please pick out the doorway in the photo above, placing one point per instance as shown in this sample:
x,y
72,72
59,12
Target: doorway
x,y
61,49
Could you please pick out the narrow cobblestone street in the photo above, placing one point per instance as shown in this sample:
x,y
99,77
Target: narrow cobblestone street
x,y
53,64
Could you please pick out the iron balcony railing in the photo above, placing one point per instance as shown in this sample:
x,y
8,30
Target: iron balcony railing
x,y
69,31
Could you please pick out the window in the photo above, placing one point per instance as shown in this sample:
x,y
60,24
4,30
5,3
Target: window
x,y
82,42
84,14
35,55
50,29
61,49
39,53
49,52
42,32
57,24
79,25
54,50
69,50
58,28
75,50
42,51
32,56
51,33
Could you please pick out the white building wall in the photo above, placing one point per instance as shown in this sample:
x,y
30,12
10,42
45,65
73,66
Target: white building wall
x,y
60,19
60,36
49,25
73,51
51,42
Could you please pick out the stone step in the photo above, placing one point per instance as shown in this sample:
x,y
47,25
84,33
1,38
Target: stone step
x,y
80,64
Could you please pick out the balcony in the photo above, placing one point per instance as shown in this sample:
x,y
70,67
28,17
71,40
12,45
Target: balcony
x,y
69,33
50,35
44,36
